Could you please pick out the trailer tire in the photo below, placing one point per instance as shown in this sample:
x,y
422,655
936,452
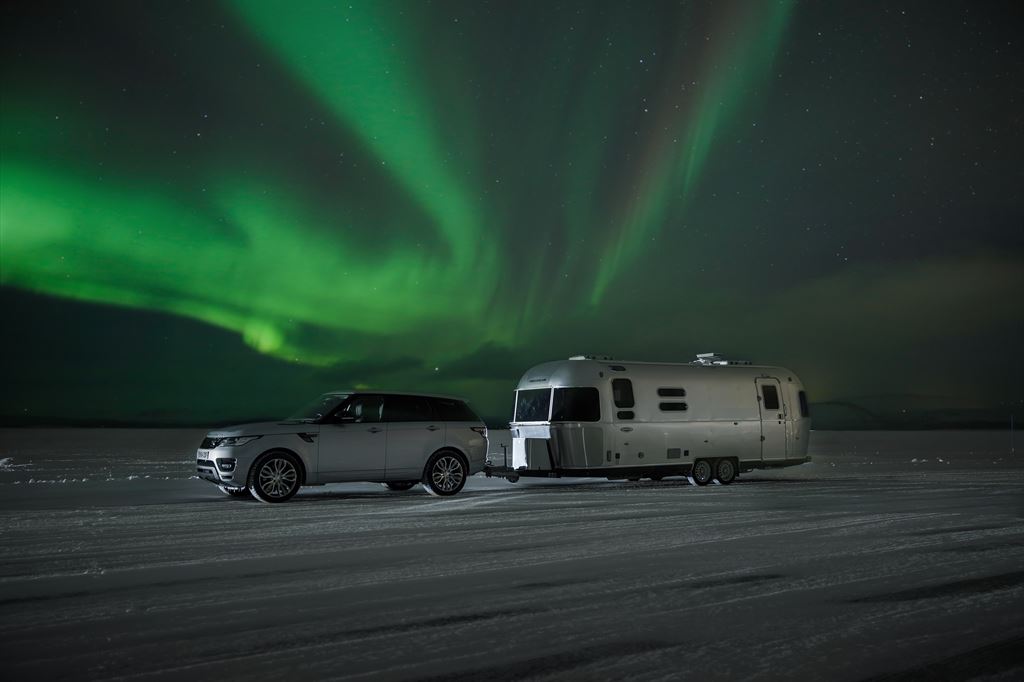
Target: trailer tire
x,y
725,471
702,472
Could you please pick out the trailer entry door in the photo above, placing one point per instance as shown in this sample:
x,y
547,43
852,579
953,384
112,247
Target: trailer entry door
x,y
773,419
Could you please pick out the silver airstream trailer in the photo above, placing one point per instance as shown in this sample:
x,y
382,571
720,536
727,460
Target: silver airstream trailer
x,y
708,419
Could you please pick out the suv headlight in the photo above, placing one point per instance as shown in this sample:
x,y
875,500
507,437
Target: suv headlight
x,y
236,441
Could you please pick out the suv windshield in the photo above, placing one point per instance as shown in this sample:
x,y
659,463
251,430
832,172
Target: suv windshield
x,y
319,408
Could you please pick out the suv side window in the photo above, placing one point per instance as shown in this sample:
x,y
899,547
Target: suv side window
x,y
407,408
360,409
452,410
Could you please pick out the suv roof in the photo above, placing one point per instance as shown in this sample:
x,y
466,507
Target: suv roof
x,y
416,395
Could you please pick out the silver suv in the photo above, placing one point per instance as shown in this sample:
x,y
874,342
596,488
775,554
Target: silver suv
x,y
398,439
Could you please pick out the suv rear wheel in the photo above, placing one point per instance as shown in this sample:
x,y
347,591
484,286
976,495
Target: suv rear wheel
x,y
445,474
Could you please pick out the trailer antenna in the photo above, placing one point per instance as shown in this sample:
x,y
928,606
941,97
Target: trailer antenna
x,y
712,359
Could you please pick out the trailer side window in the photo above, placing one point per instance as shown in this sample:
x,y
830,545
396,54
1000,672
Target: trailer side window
x,y
805,411
672,392
622,392
672,407
576,405
771,397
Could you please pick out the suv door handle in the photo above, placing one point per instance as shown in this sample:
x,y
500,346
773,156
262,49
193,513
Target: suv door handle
x,y
374,429
433,428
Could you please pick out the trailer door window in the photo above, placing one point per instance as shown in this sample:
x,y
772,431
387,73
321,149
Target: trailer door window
x,y
576,405
532,405
622,392
771,397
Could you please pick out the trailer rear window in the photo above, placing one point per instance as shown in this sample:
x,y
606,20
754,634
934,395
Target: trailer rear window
x,y
532,405
805,411
576,405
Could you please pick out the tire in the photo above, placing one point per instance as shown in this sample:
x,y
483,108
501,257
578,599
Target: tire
x,y
400,486
445,474
725,472
702,472
235,492
275,477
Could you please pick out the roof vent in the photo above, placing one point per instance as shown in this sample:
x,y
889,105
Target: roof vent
x,y
710,359
591,357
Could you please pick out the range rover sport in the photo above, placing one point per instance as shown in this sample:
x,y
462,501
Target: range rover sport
x,y
398,439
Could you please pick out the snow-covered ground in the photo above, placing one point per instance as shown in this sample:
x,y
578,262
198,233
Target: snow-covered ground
x,y
895,555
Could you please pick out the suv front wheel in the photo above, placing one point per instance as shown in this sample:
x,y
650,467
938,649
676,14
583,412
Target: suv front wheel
x,y
445,473
275,477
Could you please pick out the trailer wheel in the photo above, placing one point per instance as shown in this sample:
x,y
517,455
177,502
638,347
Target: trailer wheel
x,y
702,472
725,472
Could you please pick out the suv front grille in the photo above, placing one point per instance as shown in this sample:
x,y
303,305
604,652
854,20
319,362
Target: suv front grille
x,y
208,463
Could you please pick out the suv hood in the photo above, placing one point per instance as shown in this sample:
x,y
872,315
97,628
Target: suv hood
x,y
265,429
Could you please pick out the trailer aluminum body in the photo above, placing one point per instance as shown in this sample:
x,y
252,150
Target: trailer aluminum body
x,y
590,416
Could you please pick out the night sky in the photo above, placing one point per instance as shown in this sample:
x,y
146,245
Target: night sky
x,y
213,211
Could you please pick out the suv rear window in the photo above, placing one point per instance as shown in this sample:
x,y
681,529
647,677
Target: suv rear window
x,y
407,408
532,405
576,405
452,410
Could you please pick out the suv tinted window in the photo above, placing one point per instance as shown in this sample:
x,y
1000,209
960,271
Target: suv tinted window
x,y
452,410
407,408
360,409
532,405
576,405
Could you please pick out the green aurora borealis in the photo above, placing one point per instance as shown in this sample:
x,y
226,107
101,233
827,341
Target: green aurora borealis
x,y
216,210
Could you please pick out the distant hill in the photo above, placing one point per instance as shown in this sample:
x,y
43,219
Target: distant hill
x,y
908,412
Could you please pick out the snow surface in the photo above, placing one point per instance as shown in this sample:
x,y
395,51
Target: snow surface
x,y
895,555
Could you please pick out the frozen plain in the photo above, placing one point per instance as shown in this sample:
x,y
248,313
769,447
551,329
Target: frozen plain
x,y
894,555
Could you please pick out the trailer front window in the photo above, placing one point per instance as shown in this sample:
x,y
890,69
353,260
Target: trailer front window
x,y
576,405
532,405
